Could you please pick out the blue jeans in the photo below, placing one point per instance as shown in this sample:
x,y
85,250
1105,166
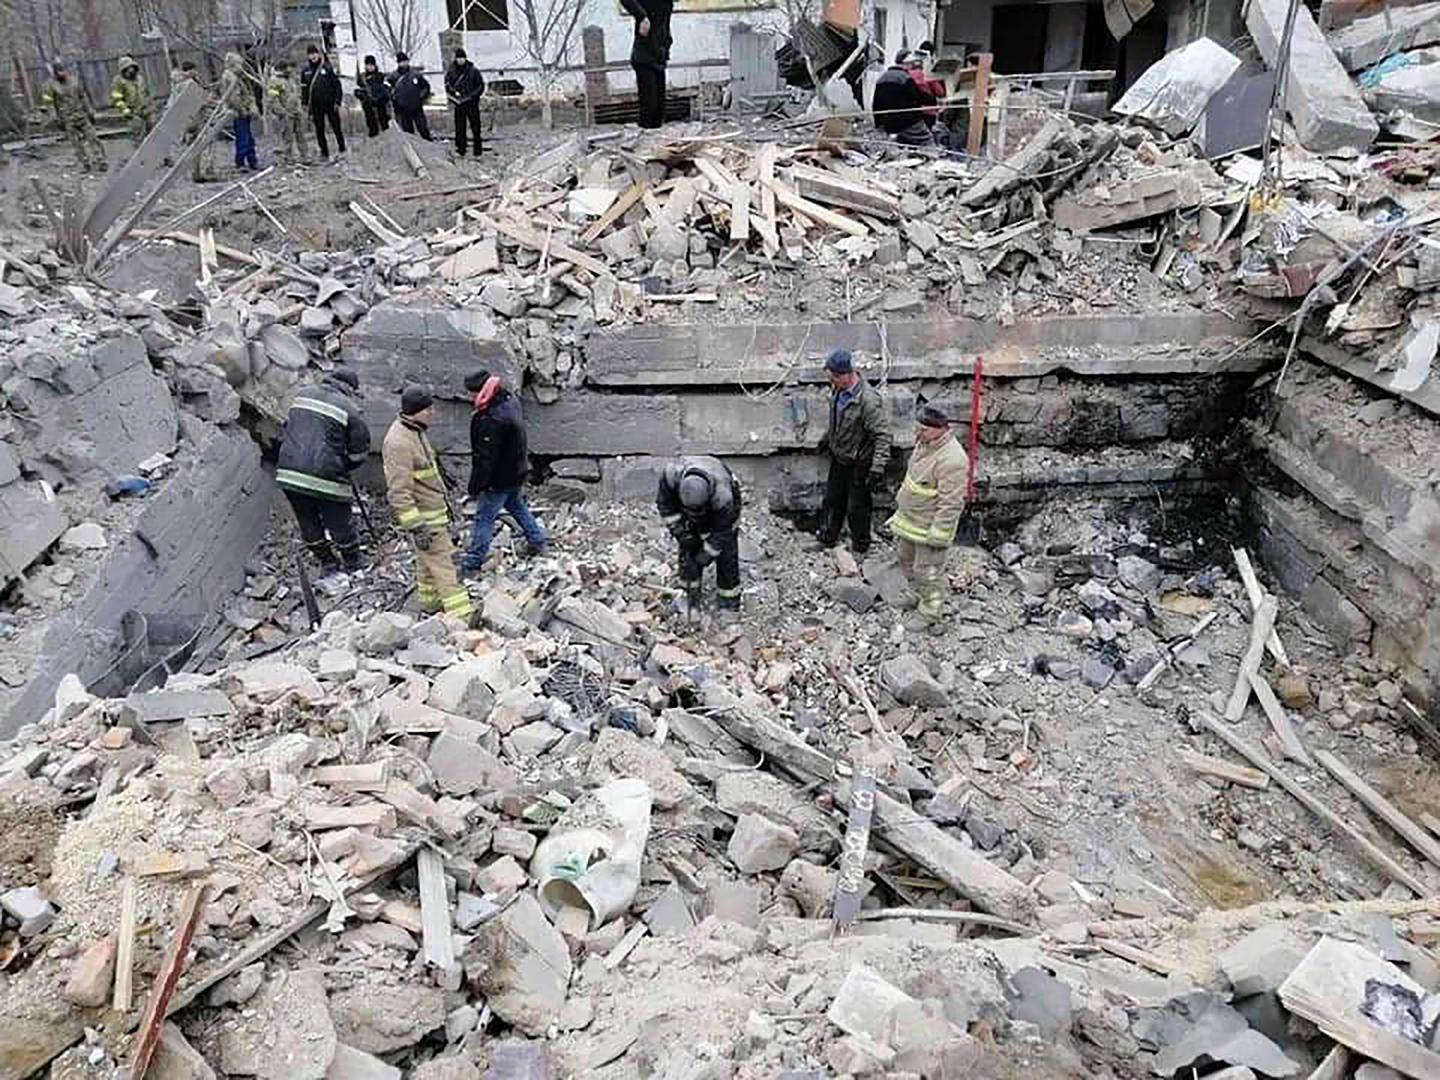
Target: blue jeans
x,y
245,144
491,503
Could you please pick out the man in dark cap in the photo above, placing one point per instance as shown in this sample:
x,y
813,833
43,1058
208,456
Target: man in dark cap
x,y
416,487
409,91
499,463
372,90
857,437
699,502
463,86
325,440
927,511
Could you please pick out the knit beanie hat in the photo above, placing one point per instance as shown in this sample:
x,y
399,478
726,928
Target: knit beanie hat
x,y
415,400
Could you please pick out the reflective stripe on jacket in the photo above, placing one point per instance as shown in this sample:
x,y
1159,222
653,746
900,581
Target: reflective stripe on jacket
x,y
719,515
932,497
325,441
412,478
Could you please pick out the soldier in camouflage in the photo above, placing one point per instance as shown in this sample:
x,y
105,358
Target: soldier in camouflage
x,y
132,99
282,92
72,109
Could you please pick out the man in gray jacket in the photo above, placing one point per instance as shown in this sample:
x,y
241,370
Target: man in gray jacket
x,y
857,438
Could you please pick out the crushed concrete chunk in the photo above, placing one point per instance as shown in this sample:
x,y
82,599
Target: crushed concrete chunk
x,y
91,975
269,680
910,682
1262,959
238,988
526,966
378,1018
85,537
285,1033
176,1059
29,908
352,1064
758,844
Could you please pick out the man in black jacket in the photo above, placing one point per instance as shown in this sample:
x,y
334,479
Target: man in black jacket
x,y
699,502
409,91
321,93
899,105
325,441
649,55
463,86
498,466
373,92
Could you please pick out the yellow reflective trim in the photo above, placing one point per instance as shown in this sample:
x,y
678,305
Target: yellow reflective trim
x,y
324,408
406,518
299,481
727,593
924,491
426,474
902,526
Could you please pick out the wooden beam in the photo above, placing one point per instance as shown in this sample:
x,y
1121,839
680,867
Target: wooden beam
x,y
1250,663
124,994
979,102
148,1037
367,777
1279,720
1336,1065
536,240
1381,807
1377,858
740,212
786,196
617,210
1225,770
439,944
194,241
1256,593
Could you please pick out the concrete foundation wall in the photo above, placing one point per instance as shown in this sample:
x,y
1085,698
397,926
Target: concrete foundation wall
x,y
187,552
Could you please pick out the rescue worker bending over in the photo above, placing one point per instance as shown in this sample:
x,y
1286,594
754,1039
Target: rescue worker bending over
x,y
699,502
325,441
927,512
416,486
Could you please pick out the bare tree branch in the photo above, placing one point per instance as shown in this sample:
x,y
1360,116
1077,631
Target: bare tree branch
x,y
395,24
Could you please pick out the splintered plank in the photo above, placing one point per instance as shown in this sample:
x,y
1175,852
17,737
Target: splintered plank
x,y
1225,770
368,815
786,196
1381,807
1256,594
124,994
617,210
1250,665
740,211
765,173
148,1036
826,187
439,946
533,238
1279,720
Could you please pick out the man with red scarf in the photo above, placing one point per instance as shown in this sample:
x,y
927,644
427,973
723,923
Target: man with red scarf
x,y
499,464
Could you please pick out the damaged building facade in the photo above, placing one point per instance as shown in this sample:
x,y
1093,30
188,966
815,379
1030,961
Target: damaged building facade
x,y
1159,789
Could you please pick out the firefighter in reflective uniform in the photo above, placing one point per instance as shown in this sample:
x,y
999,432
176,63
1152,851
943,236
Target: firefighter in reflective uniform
x,y
325,441
132,99
416,487
699,502
927,511
72,110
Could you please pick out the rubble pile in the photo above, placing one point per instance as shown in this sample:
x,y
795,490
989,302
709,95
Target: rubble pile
x,y
592,836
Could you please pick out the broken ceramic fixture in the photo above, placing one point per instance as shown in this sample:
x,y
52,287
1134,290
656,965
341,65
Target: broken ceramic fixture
x,y
596,866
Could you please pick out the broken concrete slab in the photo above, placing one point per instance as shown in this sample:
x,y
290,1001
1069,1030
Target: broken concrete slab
x,y
91,975
29,907
285,1033
176,1059
1105,207
1172,92
352,1064
526,969
1367,41
759,844
909,682
377,1018
865,1004
1262,959
1324,105
461,767
166,706
31,520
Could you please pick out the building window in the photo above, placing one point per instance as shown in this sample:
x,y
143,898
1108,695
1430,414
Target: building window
x,y
880,19
478,14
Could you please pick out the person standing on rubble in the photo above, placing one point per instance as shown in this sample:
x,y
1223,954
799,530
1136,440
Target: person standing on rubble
x,y
181,79
463,86
857,438
325,440
321,94
649,56
699,501
899,105
131,98
283,93
409,91
372,90
927,511
499,463
415,485
75,117
238,96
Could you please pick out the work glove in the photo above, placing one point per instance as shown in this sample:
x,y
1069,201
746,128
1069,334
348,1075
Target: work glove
x,y
705,556
679,528
422,539
877,481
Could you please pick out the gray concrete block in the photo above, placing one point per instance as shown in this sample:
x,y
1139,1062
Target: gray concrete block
x,y
30,521
1324,105
1365,42
9,465
187,554
420,341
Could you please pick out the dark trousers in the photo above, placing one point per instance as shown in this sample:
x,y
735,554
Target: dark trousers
x,y
468,113
245,144
332,117
847,497
323,521
694,558
650,87
377,118
412,122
